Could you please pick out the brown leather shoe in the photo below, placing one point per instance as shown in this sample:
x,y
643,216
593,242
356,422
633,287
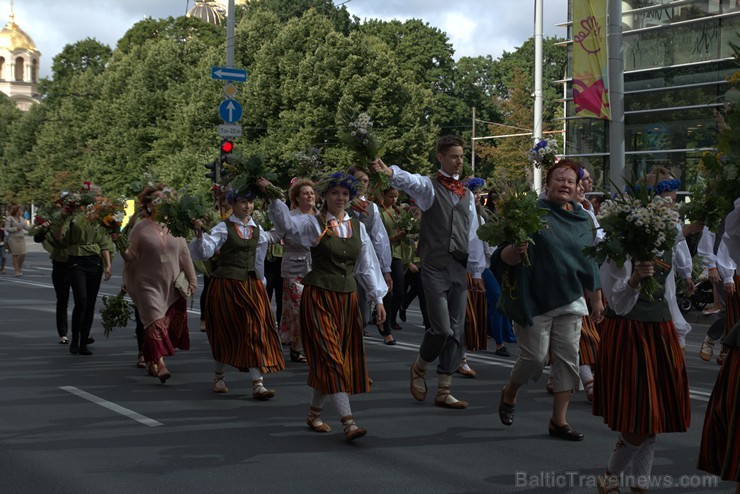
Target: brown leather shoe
x,y
505,411
314,421
564,432
456,405
351,431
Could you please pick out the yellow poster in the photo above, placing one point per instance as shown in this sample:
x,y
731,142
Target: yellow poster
x,y
590,79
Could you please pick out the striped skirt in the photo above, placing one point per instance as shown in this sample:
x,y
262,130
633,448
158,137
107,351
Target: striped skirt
x,y
719,452
164,335
732,307
331,330
588,345
641,385
476,331
240,325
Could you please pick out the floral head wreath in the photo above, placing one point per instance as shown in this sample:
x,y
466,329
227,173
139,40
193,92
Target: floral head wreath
x,y
475,184
339,179
233,194
663,186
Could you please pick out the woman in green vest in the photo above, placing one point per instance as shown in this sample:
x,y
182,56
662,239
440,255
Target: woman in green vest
x,y
239,322
331,323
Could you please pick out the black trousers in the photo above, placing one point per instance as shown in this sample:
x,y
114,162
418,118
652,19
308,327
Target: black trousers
x,y
414,289
393,299
274,278
60,280
203,295
85,275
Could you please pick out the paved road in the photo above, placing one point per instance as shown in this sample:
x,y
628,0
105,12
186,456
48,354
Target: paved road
x,y
75,424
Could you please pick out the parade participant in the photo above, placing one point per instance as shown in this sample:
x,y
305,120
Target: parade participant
x,y
331,323
641,384
239,321
89,260
449,248
153,261
549,304
59,277
369,215
296,264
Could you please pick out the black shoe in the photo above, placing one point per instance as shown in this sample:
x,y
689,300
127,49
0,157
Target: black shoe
x,y
502,352
73,348
390,342
396,327
74,342
564,432
402,314
506,411
83,350
90,340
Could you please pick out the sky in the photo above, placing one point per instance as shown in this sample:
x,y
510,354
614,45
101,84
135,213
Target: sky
x,y
474,27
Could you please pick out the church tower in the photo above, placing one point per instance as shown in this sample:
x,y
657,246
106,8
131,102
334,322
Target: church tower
x,y
19,64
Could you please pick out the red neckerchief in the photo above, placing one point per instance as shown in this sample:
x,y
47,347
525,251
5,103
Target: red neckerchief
x,y
454,186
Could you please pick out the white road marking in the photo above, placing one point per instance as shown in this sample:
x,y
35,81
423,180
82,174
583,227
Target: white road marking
x,y
112,406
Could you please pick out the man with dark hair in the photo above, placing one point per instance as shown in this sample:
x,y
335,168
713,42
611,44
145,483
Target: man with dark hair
x,y
449,248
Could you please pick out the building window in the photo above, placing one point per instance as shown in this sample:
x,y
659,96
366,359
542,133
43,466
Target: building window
x,y
19,69
34,70
2,68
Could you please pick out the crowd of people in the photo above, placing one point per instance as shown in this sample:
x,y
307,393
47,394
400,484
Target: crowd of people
x,y
347,265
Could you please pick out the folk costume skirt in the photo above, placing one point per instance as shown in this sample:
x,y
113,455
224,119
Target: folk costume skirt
x,y
732,307
240,325
719,452
588,345
164,335
290,327
331,330
476,337
641,385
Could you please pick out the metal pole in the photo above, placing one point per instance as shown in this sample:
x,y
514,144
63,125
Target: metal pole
x,y
615,53
230,35
472,145
538,54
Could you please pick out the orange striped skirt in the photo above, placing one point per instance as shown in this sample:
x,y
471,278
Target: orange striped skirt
x,y
719,452
640,382
476,310
331,330
240,325
588,345
164,335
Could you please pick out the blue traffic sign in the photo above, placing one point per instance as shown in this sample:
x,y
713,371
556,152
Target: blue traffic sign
x,y
230,110
228,74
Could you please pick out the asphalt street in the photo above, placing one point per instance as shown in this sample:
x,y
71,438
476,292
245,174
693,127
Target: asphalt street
x,y
97,424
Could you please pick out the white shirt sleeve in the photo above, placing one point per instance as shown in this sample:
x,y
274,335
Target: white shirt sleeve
x,y
259,256
303,227
682,258
367,270
476,254
419,187
620,297
379,238
706,248
205,248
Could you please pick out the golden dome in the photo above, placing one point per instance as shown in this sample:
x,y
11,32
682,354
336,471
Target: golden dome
x,y
13,38
207,11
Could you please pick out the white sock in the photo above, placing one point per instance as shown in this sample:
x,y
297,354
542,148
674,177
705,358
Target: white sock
x,y
421,363
318,399
584,371
341,402
219,367
642,462
621,456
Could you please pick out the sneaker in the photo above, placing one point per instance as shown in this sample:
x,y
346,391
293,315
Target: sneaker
x,y
219,385
707,349
711,310
502,352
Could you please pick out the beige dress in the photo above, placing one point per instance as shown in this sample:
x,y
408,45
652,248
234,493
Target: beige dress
x,y
15,229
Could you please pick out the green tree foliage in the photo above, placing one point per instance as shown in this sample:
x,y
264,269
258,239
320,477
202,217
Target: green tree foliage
x,y
86,55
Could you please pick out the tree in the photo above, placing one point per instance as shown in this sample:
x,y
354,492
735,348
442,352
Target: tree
x,y
88,54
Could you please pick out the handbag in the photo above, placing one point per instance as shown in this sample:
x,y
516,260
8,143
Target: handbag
x,y
182,284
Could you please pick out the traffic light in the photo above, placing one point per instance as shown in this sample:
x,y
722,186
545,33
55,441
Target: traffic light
x,y
213,173
227,146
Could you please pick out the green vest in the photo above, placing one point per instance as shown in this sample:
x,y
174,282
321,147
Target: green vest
x,y
333,260
655,310
237,254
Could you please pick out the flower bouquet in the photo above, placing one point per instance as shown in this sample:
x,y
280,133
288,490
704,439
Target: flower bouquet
x,y
360,139
260,217
115,313
247,171
108,215
639,226
178,212
516,219
543,153
74,201
308,165
408,221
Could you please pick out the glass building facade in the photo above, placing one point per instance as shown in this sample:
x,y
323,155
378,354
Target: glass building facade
x,y
677,57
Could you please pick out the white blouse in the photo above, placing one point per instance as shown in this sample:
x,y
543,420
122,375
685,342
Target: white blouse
x,y
307,228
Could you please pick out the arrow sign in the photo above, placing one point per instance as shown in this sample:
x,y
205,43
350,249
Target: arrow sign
x,y
230,110
228,74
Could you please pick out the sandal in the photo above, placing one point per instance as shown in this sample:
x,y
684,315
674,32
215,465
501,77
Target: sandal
x,y
140,362
314,421
298,357
707,349
351,430
63,340
589,387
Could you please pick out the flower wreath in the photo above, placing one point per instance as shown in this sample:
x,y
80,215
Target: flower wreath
x,y
335,179
475,184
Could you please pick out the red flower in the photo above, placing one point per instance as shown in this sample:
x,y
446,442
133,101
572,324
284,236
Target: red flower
x,y
86,185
